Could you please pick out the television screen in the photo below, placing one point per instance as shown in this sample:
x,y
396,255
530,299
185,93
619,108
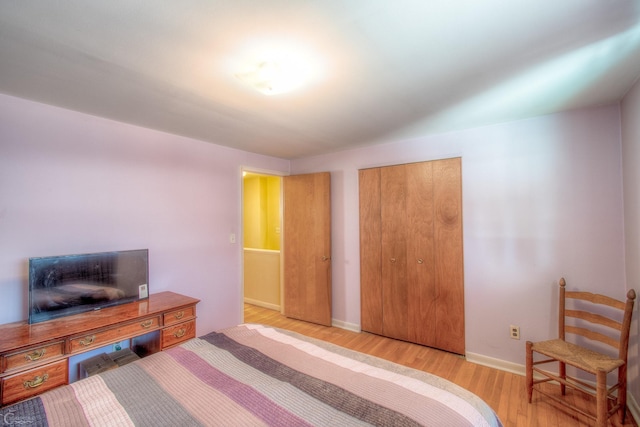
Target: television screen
x,y
70,284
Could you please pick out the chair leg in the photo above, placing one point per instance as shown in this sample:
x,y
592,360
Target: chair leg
x,y
601,398
562,373
622,392
529,370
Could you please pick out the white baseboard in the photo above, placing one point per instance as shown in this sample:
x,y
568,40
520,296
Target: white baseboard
x,y
262,304
632,404
514,368
353,327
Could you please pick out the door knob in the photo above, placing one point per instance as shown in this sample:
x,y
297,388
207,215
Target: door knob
x,y
392,260
325,258
420,261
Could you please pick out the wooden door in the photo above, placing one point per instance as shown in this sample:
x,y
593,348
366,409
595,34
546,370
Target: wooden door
x,y
307,247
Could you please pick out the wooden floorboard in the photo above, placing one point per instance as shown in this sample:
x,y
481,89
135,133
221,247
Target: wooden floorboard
x,y
503,391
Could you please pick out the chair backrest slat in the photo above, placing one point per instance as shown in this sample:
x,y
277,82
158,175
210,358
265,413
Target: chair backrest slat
x,y
594,318
592,335
596,299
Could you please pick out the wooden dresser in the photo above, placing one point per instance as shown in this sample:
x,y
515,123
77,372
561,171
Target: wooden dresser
x,y
35,358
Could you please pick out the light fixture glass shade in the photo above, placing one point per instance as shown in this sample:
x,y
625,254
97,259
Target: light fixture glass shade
x,y
271,77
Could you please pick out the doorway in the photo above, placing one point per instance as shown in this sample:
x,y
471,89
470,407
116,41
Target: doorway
x,y
262,239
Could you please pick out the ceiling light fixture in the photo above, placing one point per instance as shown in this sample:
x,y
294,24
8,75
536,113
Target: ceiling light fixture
x,y
271,77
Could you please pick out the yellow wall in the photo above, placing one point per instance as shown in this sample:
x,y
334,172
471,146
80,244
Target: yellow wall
x,y
262,278
262,212
262,240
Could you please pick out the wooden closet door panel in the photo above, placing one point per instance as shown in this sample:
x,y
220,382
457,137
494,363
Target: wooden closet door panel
x,y
393,194
370,252
449,269
421,307
307,247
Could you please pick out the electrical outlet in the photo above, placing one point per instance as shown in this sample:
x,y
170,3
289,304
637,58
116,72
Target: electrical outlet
x,y
514,332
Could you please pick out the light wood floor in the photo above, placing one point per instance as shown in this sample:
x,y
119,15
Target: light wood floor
x,y
503,391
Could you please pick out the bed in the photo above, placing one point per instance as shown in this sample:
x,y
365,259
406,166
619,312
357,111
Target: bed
x,y
256,375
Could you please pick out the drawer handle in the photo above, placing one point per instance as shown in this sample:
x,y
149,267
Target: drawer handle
x,y
35,355
36,382
147,323
87,341
179,315
180,333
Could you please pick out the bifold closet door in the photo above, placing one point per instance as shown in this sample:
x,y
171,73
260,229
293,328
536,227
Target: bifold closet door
x,y
448,255
395,232
421,275
408,289
370,251
411,253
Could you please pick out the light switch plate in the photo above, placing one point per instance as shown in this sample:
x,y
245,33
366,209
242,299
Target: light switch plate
x,y
143,291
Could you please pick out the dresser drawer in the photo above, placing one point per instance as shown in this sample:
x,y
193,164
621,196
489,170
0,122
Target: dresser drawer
x,y
178,333
32,357
103,337
178,316
34,381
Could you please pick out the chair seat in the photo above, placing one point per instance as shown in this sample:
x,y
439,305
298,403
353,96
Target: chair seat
x,y
577,356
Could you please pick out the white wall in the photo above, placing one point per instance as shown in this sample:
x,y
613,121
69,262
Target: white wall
x,y
73,183
631,174
542,198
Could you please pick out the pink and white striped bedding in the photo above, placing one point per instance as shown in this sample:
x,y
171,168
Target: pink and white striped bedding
x,y
255,375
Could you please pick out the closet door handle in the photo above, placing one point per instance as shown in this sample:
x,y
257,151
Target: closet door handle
x,y
392,260
325,258
420,261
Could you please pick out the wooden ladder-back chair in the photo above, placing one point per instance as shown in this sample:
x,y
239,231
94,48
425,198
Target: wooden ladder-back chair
x,y
593,317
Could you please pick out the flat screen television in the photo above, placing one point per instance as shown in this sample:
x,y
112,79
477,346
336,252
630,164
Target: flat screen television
x,y
70,284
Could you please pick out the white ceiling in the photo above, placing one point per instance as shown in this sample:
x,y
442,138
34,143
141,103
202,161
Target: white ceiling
x,y
389,69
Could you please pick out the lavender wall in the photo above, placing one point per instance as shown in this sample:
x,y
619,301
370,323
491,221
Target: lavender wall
x,y
542,198
73,183
631,177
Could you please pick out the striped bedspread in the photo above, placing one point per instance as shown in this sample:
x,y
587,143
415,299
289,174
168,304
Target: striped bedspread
x,y
255,376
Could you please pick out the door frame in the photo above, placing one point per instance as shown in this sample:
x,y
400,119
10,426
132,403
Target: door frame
x,y
265,172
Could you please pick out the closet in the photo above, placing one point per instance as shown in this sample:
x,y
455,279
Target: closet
x,y
411,258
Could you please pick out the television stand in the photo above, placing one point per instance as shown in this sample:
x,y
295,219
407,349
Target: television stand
x,y
35,358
